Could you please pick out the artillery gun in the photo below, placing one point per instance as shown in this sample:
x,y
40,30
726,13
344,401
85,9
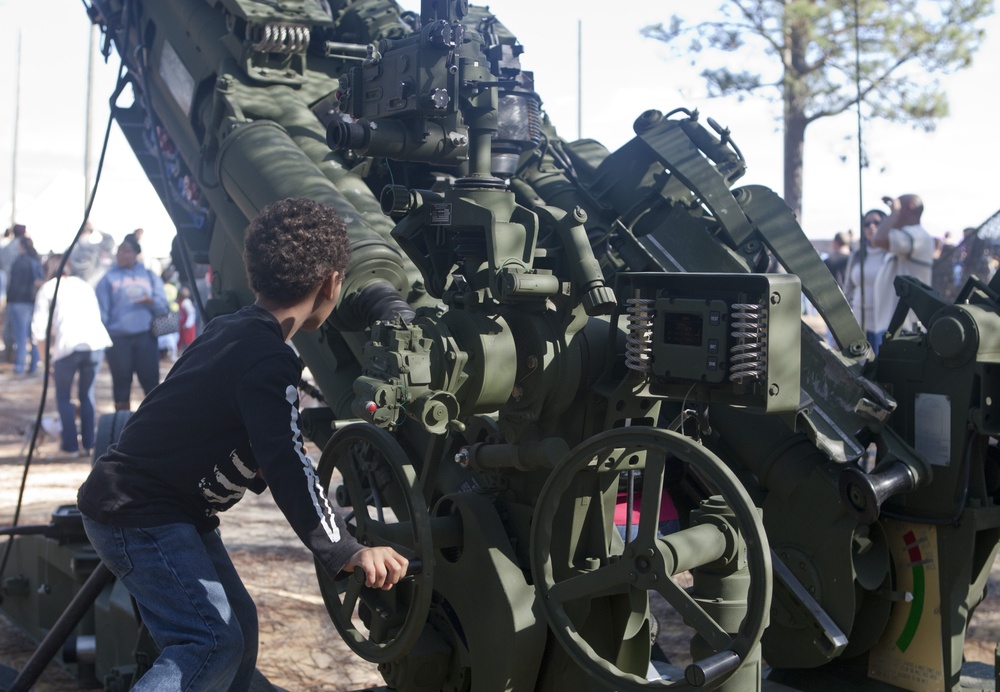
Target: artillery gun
x,y
536,335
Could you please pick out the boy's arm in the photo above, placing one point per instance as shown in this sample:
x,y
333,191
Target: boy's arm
x,y
881,237
268,403
383,566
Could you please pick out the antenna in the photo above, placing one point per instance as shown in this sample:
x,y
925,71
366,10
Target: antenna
x,y
95,32
17,122
861,165
579,79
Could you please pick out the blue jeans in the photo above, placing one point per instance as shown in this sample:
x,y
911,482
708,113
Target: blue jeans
x,y
875,339
191,600
86,364
19,315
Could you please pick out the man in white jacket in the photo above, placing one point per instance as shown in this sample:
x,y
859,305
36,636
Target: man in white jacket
x,y
909,252
78,339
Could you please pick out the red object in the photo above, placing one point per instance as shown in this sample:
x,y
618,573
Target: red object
x,y
371,407
667,509
187,334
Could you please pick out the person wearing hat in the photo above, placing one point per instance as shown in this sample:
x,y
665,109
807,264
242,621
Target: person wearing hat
x,y
130,296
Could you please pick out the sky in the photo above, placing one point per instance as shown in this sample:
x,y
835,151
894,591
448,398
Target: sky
x,y
622,75
953,169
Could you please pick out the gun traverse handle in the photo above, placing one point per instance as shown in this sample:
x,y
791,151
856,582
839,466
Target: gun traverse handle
x,y
415,566
863,493
708,670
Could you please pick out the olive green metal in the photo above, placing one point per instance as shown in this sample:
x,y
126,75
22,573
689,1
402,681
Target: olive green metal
x,y
721,587
385,510
45,571
777,228
708,337
647,563
948,377
479,328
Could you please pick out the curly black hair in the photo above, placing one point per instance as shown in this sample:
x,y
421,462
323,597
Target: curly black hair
x,y
292,246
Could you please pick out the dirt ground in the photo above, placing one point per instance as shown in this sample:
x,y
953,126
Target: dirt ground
x,y
300,650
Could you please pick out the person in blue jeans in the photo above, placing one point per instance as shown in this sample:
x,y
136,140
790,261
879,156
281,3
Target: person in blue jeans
x,y
225,420
10,248
76,349
130,296
26,276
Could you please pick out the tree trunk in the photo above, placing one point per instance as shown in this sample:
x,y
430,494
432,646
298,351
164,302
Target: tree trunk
x,y
795,95
795,137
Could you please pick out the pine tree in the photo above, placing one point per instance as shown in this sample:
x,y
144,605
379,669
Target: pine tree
x,y
824,56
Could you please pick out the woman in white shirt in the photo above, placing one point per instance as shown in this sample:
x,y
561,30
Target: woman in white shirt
x,y
859,277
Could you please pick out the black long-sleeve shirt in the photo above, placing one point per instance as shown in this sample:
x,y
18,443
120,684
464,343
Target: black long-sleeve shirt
x,y
224,420
26,275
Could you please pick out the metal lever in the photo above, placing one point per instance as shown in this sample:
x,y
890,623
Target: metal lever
x,y
415,567
863,493
708,670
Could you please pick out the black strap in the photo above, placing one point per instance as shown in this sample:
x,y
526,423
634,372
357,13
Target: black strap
x,y
909,255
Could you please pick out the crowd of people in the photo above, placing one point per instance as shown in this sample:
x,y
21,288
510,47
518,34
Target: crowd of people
x,y
109,298
894,243
104,310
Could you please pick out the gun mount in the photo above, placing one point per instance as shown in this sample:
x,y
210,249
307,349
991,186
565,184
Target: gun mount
x,y
537,336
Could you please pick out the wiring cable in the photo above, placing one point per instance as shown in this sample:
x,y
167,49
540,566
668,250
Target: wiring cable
x,y
863,251
36,426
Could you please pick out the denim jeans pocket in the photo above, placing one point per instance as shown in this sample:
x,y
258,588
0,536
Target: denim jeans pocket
x,y
109,542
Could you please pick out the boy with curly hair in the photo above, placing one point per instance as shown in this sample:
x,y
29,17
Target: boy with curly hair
x,y
225,420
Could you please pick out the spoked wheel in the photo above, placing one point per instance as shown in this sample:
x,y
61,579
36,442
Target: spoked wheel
x,y
567,584
379,485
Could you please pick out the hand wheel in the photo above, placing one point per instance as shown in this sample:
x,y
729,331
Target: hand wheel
x,y
648,562
387,510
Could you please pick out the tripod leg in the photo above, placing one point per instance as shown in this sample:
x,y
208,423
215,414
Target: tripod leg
x,y
57,636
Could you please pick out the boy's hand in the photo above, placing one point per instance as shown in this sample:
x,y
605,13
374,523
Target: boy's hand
x,y
383,566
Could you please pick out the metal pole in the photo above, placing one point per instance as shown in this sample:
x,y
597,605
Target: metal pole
x,y
95,33
579,79
56,637
17,122
863,244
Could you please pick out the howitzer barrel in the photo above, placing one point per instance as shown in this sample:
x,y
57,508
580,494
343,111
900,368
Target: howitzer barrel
x,y
259,163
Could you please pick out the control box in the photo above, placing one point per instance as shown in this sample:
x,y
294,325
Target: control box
x,y
731,339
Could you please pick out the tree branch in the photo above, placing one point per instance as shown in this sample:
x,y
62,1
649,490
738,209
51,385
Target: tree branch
x,y
757,26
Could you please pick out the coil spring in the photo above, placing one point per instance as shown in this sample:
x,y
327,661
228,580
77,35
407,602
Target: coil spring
x,y
638,341
748,356
279,38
